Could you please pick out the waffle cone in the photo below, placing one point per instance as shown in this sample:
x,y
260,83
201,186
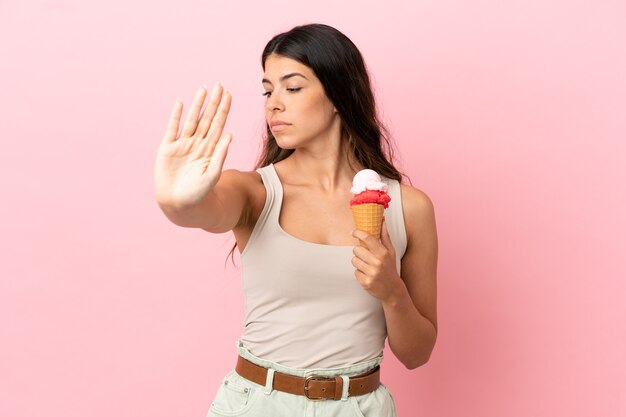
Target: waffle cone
x,y
368,217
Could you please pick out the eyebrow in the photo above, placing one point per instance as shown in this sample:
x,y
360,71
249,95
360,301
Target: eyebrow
x,y
284,77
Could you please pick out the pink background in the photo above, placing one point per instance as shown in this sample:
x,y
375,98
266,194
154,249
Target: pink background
x,y
510,115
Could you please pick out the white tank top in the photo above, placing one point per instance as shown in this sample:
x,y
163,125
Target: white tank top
x,y
304,306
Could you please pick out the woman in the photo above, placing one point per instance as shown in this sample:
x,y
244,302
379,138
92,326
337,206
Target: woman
x,y
318,305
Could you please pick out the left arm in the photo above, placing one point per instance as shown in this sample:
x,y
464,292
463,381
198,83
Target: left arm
x,y
410,301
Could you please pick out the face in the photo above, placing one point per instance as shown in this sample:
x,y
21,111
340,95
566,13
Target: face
x,y
296,108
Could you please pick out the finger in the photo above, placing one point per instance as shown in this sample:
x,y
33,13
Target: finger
x,y
361,235
366,256
171,132
210,109
219,156
218,122
369,264
360,265
363,279
191,122
373,243
209,143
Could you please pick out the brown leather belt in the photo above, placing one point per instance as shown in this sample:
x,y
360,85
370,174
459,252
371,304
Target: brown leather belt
x,y
313,387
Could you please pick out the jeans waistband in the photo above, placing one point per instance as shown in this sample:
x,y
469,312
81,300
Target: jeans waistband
x,y
351,370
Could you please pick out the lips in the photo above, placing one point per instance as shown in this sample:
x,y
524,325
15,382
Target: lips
x,y
279,125
274,123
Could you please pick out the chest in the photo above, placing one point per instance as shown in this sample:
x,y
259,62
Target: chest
x,y
317,217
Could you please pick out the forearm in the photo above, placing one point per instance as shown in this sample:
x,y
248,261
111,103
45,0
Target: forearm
x,y
218,212
411,335
192,215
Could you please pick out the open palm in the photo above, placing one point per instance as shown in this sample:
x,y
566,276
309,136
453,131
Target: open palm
x,y
189,164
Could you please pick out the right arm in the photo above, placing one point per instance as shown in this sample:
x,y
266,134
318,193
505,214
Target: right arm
x,y
189,185
220,211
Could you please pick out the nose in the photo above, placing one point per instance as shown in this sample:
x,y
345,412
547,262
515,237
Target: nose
x,y
274,102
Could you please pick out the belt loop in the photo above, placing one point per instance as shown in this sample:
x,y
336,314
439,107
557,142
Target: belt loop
x,y
346,387
269,381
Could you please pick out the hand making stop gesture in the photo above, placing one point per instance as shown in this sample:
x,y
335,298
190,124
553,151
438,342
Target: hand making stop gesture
x,y
189,163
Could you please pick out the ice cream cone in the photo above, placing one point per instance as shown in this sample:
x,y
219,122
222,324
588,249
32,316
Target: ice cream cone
x,y
368,217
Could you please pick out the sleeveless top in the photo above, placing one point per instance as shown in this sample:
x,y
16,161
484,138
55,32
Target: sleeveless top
x,y
304,307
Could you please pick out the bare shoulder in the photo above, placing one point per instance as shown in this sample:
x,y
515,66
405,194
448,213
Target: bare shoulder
x,y
232,202
416,203
252,189
419,214
248,182
241,178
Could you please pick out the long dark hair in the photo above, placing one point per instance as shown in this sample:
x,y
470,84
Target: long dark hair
x,y
338,64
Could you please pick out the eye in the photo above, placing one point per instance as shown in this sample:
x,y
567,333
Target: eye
x,y
294,89
267,93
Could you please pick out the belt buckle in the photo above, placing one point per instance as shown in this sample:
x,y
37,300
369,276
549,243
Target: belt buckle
x,y
315,378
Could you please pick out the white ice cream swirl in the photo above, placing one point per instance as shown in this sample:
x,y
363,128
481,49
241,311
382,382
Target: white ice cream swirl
x,y
367,179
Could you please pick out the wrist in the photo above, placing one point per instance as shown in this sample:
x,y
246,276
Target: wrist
x,y
398,297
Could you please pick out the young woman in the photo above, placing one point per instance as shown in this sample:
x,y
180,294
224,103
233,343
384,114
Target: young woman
x,y
318,305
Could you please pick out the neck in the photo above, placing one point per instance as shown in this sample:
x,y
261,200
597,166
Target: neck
x,y
330,165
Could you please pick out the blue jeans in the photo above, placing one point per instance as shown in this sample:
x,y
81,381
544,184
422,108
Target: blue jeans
x,y
238,396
